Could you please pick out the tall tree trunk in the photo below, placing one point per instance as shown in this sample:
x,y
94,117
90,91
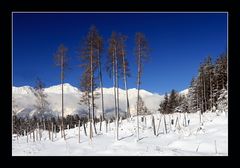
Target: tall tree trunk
x,y
109,128
36,135
204,88
44,125
203,99
185,120
106,124
92,94
94,126
27,134
211,92
55,130
153,124
52,131
101,85
78,131
61,131
33,136
114,85
89,107
138,87
197,99
126,88
114,89
202,96
176,122
90,130
117,118
84,127
39,131
49,133
62,80
100,124
165,124
159,124
202,103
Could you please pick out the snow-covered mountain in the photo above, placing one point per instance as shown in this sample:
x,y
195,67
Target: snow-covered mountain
x,y
184,92
25,100
22,90
68,89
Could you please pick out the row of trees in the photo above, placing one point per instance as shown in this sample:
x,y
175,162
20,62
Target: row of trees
x,y
117,67
173,103
91,57
211,81
21,125
207,91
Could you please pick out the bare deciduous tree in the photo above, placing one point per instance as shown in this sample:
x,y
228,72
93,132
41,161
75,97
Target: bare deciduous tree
x,y
90,62
112,66
98,45
142,53
61,60
125,69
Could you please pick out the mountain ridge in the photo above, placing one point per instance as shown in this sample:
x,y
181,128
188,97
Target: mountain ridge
x,y
25,100
68,88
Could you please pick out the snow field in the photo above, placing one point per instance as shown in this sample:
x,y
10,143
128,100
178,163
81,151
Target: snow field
x,y
212,140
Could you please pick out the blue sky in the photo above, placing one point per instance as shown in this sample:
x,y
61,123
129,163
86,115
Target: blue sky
x,y
178,42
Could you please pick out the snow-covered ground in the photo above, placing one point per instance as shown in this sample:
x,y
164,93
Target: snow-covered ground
x,y
180,141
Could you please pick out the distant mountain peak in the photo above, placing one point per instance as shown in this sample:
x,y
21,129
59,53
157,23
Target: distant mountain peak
x,y
67,88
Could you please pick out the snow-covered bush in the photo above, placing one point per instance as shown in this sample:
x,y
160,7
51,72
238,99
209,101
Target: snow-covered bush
x,y
222,102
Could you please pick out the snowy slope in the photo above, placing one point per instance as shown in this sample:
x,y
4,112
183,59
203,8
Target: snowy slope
x,y
184,92
25,100
180,141
25,90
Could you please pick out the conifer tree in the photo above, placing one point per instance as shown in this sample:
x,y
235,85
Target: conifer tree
x,y
164,105
142,107
206,88
192,96
164,109
173,101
